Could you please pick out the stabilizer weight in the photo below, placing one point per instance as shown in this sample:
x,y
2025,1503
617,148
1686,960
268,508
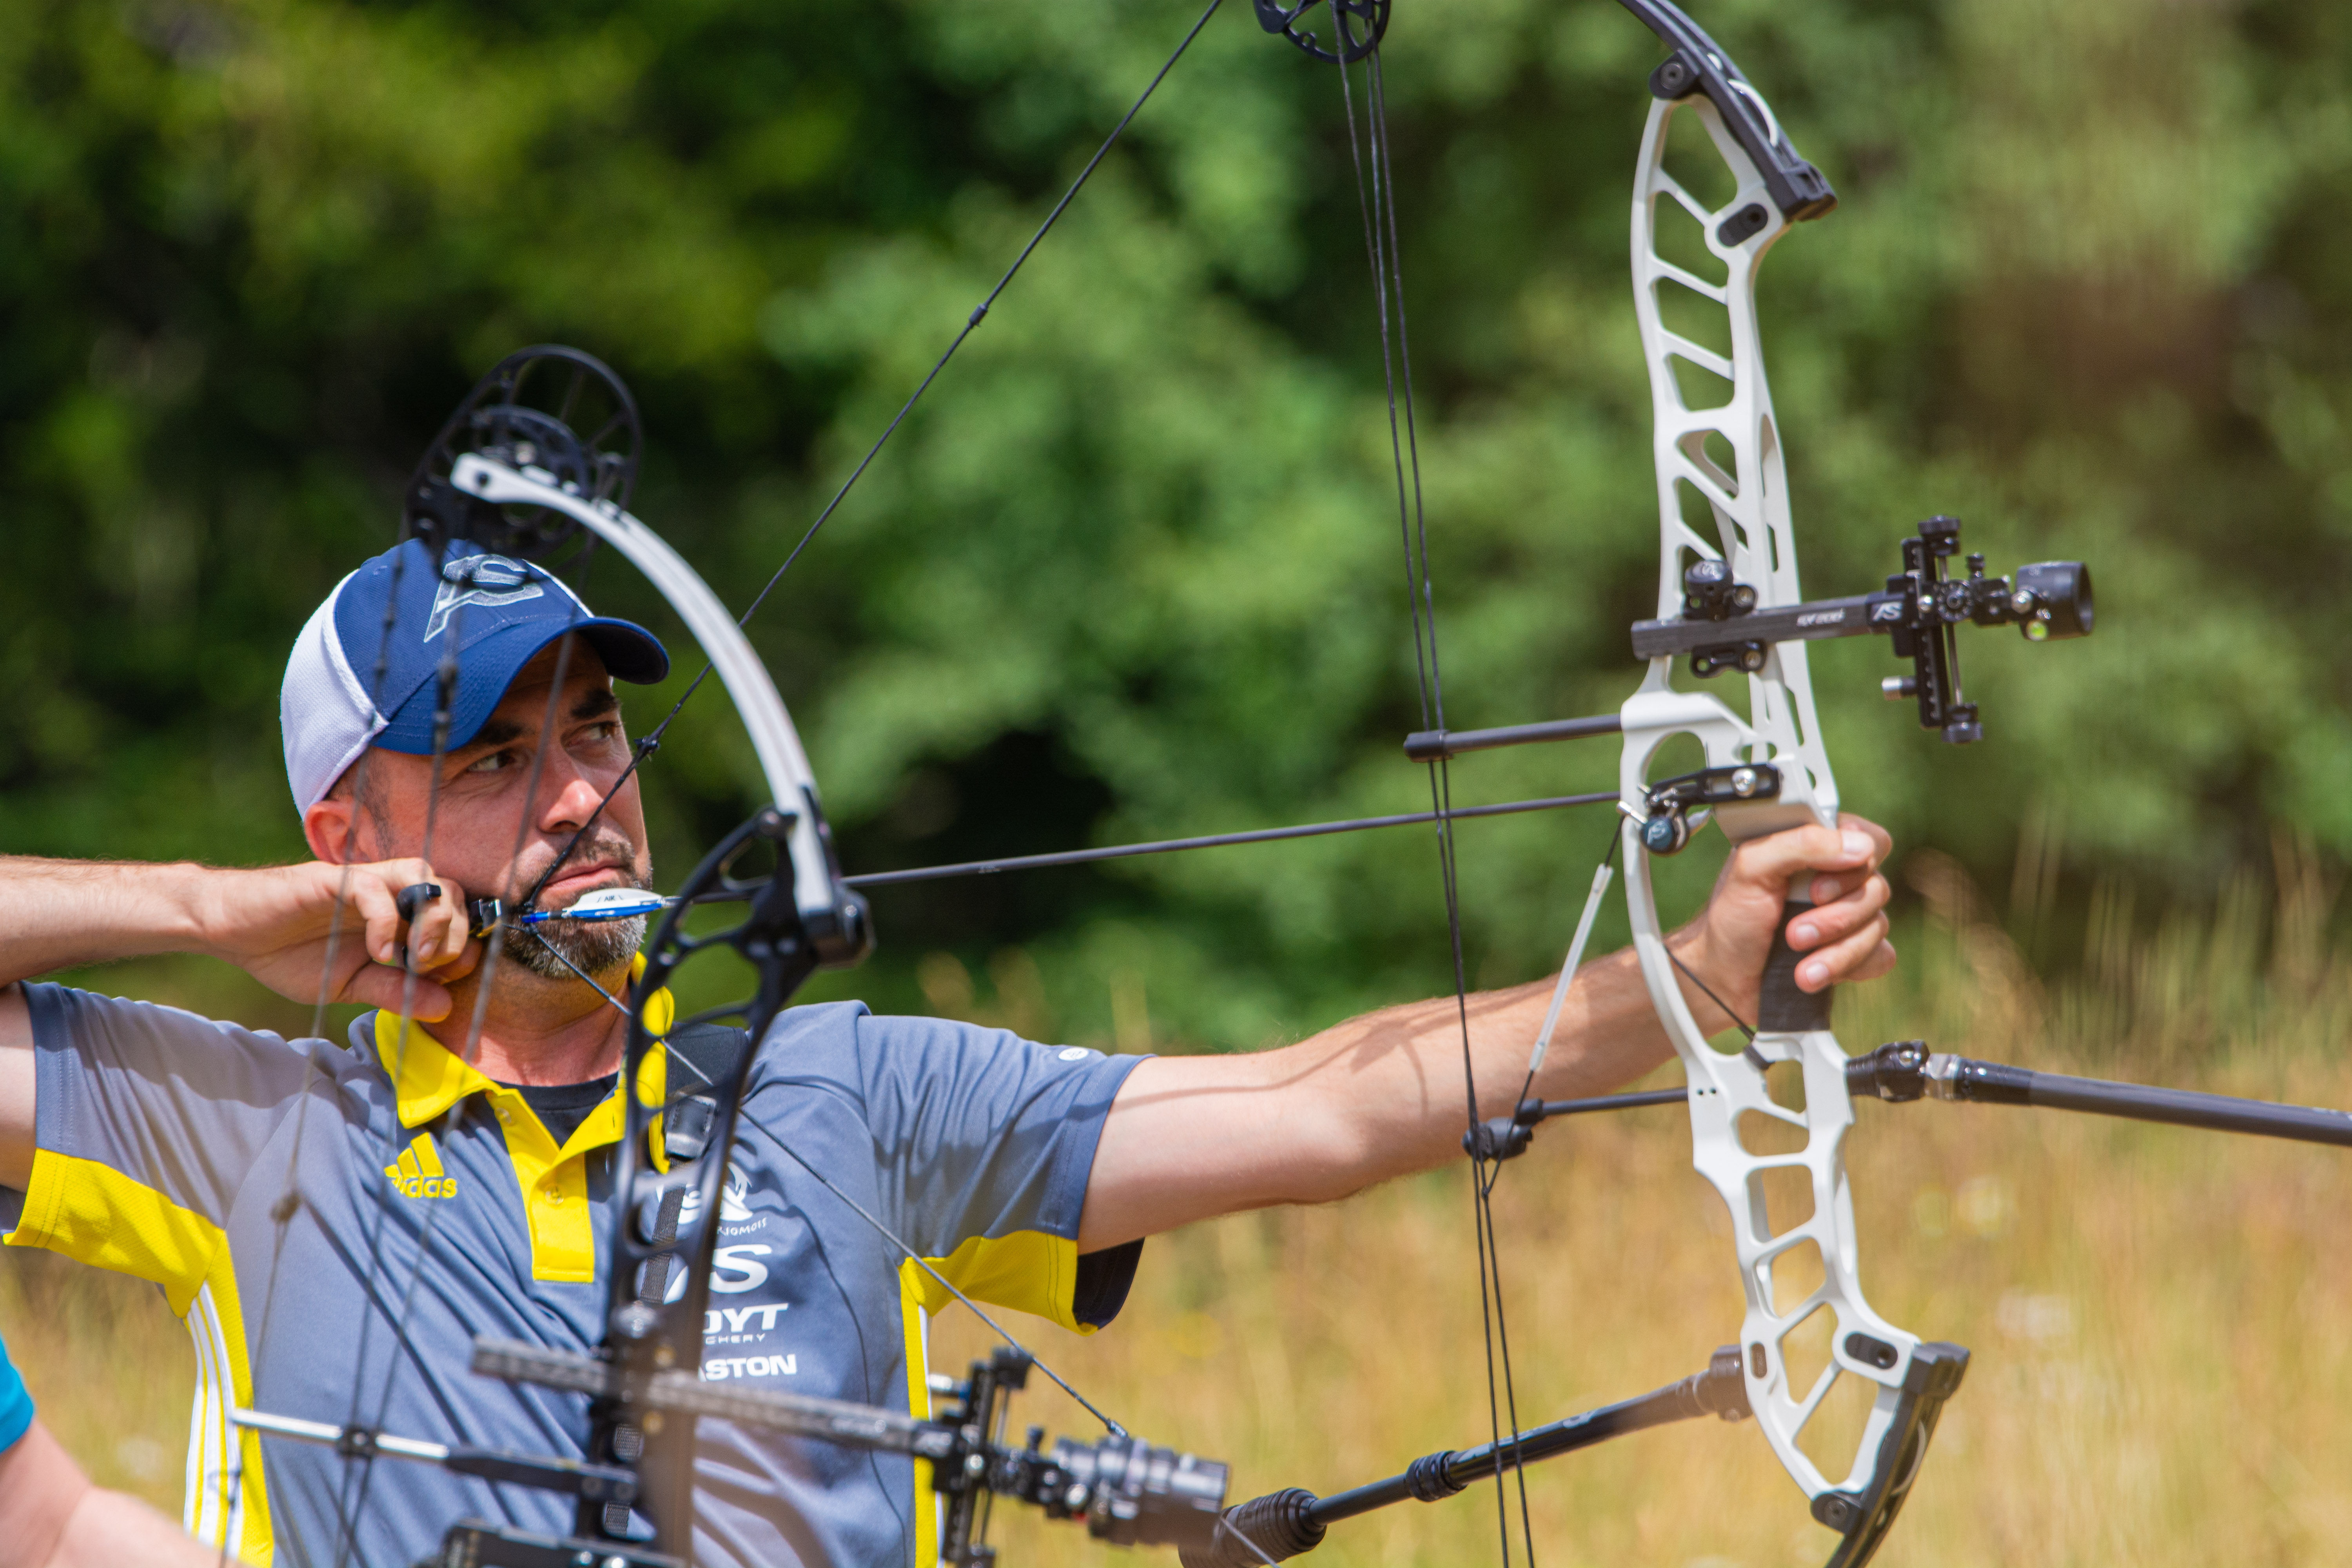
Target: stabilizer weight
x,y
1280,1525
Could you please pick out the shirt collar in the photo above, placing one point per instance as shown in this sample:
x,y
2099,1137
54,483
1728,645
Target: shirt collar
x,y
430,1078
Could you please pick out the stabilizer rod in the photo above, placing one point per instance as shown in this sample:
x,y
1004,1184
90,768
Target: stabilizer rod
x,y
1907,1070
1284,1524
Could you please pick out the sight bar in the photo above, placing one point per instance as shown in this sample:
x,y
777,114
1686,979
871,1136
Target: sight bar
x,y
835,1420
1429,745
1215,841
1286,1524
1907,1070
1809,622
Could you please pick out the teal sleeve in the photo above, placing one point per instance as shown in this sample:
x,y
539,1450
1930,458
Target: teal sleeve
x,y
16,1404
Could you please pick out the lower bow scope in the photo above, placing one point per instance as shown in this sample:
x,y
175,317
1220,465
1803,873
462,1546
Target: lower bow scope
x,y
1922,609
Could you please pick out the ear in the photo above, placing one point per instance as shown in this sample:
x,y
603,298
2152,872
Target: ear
x,y
327,827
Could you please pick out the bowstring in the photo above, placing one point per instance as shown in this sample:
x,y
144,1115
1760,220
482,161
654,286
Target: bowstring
x,y
919,1261
1376,201
652,740
495,949
350,1503
447,1123
586,978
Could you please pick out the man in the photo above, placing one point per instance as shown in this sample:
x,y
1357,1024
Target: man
x,y
51,1517
338,1224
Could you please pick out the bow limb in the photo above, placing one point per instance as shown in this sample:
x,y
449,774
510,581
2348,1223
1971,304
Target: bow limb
x,y
672,1160
834,915
799,919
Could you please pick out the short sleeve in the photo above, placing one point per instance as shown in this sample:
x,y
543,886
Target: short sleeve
x,y
16,1404
983,1143
147,1119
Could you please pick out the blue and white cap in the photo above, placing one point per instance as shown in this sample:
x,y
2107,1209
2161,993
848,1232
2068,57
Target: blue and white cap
x,y
502,611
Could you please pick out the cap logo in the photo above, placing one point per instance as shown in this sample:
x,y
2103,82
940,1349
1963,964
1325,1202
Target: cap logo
x,y
478,580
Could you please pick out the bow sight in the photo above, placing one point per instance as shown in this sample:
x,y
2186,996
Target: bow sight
x,y
1922,610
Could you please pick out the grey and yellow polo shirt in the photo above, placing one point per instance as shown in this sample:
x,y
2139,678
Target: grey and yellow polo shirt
x,y
434,1199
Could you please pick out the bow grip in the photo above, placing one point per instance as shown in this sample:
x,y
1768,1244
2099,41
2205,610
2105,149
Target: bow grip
x,y
1780,1007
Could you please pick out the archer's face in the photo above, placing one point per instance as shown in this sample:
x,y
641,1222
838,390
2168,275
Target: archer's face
x,y
485,799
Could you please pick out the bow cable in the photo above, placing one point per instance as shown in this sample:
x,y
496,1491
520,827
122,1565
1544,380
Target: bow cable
x,y
349,1501
1569,965
289,1199
347,1513
1376,201
349,1505
547,739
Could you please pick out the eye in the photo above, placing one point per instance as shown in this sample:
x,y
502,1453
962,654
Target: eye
x,y
496,762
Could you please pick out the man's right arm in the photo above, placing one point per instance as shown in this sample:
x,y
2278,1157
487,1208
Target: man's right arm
x,y
277,924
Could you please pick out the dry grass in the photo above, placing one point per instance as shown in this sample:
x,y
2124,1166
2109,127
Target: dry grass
x,y
2162,1321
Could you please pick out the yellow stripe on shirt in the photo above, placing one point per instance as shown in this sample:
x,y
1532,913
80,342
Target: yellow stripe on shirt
x,y
94,1214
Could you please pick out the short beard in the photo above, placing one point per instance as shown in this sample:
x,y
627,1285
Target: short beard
x,y
595,948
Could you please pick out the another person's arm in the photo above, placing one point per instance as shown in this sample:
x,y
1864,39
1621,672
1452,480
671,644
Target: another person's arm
x,y
52,1517
1383,1095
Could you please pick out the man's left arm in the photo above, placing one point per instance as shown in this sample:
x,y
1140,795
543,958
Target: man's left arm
x,y
1383,1095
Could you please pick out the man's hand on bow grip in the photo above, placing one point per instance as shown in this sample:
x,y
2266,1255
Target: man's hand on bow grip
x,y
275,925
1842,939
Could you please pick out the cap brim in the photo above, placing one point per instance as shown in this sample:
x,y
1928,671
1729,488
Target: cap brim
x,y
486,669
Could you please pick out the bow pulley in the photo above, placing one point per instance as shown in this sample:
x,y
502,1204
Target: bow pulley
x,y
1357,26
527,415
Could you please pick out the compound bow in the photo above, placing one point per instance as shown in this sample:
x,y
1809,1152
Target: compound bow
x,y
517,480
1732,602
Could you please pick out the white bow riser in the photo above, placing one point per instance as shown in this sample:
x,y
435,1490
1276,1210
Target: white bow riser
x,y
1750,509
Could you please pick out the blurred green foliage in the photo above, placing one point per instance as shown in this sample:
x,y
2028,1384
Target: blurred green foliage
x,y
1132,569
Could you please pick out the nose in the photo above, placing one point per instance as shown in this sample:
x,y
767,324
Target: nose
x,y
574,800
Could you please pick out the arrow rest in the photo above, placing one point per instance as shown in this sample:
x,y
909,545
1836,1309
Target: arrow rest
x,y
1666,828
647,1332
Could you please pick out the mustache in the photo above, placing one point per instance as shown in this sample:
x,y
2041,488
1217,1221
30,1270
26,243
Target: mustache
x,y
605,851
